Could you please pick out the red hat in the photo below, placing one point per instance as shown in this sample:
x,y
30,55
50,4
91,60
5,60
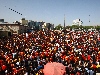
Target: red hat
x,y
96,48
51,59
78,46
47,54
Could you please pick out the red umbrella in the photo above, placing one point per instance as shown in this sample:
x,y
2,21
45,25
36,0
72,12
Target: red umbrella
x,y
54,69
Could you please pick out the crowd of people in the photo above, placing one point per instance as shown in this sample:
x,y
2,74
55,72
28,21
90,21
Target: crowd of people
x,y
27,53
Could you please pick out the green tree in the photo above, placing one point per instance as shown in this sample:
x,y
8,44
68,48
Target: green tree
x,y
58,27
75,26
97,27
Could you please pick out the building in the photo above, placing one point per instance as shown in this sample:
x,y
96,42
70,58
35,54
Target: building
x,y
77,22
1,20
23,21
7,29
40,25
49,26
52,26
31,24
11,29
35,25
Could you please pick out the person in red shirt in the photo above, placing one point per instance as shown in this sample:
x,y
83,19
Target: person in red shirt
x,y
4,67
88,57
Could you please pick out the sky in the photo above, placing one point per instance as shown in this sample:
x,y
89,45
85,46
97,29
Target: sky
x,y
51,11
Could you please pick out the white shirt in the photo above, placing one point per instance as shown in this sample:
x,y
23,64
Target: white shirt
x,y
26,73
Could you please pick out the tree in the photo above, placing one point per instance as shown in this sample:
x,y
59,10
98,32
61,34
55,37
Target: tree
x,y
75,26
58,27
97,27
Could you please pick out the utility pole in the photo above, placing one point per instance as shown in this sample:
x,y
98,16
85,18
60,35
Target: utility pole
x,y
64,22
64,32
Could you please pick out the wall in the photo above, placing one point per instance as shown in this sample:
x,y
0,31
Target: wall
x,y
3,33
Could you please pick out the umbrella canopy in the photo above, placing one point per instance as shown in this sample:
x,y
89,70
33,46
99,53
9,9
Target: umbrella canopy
x,y
54,69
